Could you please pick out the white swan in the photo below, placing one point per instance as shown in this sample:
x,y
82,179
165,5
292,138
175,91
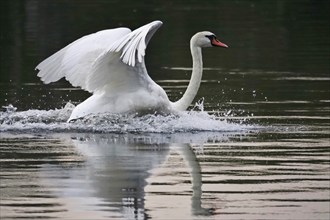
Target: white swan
x,y
110,64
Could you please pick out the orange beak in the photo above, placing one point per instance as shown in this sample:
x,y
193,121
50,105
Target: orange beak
x,y
217,43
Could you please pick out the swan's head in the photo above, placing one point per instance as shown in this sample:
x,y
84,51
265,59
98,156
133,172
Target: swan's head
x,y
206,39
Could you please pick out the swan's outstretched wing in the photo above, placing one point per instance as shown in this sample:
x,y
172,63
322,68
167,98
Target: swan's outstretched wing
x,y
109,59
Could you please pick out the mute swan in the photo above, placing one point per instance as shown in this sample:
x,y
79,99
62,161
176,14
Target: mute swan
x,y
110,64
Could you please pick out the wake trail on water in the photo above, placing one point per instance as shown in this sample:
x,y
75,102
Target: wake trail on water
x,y
56,121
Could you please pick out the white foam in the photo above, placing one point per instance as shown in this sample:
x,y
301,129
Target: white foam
x,y
55,121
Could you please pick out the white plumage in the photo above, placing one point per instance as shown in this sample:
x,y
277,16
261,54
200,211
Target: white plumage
x,y
110,64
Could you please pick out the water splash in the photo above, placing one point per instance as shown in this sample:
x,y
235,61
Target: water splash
x,y
55,121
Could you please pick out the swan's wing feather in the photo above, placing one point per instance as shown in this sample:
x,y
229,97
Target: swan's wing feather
x,y
134,44
75,60
107,60
121,67
110,75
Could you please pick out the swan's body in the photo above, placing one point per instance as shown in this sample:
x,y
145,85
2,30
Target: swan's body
x,y
110,64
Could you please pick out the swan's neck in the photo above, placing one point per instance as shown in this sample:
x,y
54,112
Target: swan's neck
x,y
195,80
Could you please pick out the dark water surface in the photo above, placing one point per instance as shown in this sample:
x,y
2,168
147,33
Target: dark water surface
x,y
256,147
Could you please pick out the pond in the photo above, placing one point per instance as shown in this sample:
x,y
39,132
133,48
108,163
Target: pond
x,y
255,143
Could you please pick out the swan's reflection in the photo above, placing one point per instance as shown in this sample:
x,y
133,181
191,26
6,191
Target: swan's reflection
x,y
116,169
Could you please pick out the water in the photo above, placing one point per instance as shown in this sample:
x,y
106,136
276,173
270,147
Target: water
x,y
256,144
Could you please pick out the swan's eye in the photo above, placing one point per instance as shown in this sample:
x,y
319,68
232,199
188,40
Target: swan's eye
x,y
211,37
